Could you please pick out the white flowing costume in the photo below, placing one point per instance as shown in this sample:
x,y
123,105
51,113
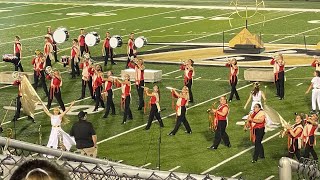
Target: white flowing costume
x,y
56,131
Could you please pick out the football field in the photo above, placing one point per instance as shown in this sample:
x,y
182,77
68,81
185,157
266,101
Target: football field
x,y
175,30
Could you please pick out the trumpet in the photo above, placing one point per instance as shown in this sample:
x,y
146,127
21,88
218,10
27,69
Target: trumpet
x,y
16,75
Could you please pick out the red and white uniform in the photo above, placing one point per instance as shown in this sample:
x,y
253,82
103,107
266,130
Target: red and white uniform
x,y
180,102
51,40
81,40
17,47
96,81
188,73
106,43
86,71
316,65
253,125
74,51
276,68
55,85
298,138
38,65
309,130
48,48
234,72
131,44
218,117
126,90
108,85
18,83
139,73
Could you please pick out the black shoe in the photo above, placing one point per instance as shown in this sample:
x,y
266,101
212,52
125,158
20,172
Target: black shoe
x,y
238,99
313,112
104,116
280,98
32,120
80,98
95,109
253,161
113,114
262,157
230,100
123,122
188,132
212,148
170,134
139,108
113,63
228,145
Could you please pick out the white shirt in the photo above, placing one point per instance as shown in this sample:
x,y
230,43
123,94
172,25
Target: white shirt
x,y
257,97
316,82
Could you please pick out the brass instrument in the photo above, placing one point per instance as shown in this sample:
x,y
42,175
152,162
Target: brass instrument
x,y
211,115
49,70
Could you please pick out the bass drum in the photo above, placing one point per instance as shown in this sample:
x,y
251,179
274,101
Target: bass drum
x,y
141,41
92,39
60,35
115,41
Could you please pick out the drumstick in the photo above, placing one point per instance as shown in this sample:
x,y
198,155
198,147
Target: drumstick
x,y
5,115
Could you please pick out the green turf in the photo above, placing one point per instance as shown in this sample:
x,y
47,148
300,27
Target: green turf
x,y
140,147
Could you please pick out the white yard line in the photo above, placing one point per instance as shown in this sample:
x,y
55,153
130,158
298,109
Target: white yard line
x,y
171,72
197,78
299,84
18,6
238,174
148,164
217,79
5,86
294,35
175,168
270,177
178,77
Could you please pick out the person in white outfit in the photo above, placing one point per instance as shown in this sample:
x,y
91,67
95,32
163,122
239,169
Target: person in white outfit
x,y
57,134
256,95
315,84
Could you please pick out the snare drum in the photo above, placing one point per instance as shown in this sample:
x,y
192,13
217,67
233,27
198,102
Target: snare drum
x,y
92,39
65,60
61,35
10,58
140,41
115,41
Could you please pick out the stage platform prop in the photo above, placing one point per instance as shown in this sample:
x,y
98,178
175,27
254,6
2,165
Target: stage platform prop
x,y
245,43
259,74
6,77
149,75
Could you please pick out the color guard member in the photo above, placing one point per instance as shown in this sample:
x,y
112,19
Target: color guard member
x,y
55,89
83,46
188,76
38,67
53,43
155,106
315,84
278,69
17,51
233,78
182,102
108,92
107,50
75,55
131,50
139,79
47,50
220,124
309,138
87,72
97,82
126,98
295,137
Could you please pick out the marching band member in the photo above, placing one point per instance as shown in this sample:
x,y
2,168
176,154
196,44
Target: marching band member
x,y
315,84
220,124
155,107
108,92
139,79
17,51
97,86
278,69
126,98
107,50
53,43
38,67
182,102
47,50
87,72
131,50
55,89
233,78
309,138
294,137
256,123
83,46
188,76
256,95
315,63
57,133
75,55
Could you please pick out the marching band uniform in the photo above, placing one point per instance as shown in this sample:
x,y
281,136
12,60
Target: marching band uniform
x,y
97,88
75,61
54,45
87,73
110,104
55,90
220,125
48,48
83,46
233,80
17,52
38,68
278,69
309,139
315,84
315,64
130,51
139,80
294,141
181,115
155,110
126,98
108,51
188,77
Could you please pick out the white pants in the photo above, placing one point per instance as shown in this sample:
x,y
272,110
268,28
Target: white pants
x,y
315,99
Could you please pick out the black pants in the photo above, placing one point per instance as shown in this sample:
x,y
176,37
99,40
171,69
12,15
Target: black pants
x,y
109,54
98,98
84,85
309,149
84,49
154,113
55,52
127,111
189,85
280,84
48,61
40,75
258,147
110,104
129,56
18,108
18,64
74,68
234,89
140,94
294,149
221,134
182,119
57,95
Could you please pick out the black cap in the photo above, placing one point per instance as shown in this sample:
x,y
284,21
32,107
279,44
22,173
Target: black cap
x,y
81,114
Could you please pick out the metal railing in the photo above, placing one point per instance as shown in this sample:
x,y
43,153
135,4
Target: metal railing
x,y
305,169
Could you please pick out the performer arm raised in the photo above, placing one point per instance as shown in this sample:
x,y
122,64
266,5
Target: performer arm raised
x,y
248,101
67,110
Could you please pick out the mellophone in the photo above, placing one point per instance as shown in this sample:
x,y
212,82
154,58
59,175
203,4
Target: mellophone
x,y
10,58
